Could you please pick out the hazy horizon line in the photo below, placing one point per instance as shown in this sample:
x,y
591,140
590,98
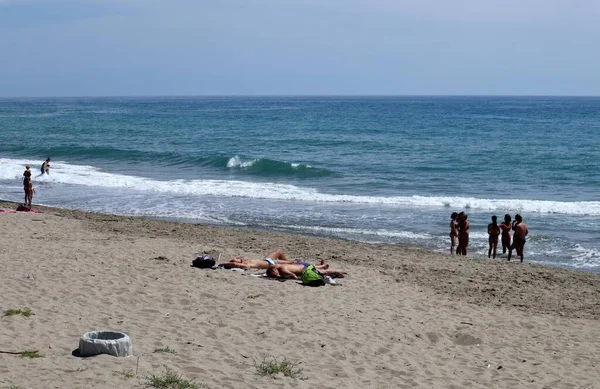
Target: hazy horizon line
x,y
295,95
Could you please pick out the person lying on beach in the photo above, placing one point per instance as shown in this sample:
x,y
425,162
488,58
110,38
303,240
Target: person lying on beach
x,y
273,258
294,271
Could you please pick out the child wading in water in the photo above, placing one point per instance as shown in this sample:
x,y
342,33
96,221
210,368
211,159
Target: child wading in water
x,y
453,232
493,232
506,226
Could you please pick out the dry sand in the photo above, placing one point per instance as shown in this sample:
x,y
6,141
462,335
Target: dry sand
x,y
403,318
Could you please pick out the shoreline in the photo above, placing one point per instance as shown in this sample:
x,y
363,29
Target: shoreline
x,y
12,205
348,252
403,317
430,251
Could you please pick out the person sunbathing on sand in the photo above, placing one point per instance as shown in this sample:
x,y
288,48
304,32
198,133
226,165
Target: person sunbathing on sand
x,y
273,258
294,271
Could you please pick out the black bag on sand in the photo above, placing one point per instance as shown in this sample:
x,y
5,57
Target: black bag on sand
x,y
204,262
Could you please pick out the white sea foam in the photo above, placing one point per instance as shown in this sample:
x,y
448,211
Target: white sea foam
x,y
62,173
585,258
356,231
478,235
236,161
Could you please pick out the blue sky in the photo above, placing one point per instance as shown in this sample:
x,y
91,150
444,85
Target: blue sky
x,y
291,47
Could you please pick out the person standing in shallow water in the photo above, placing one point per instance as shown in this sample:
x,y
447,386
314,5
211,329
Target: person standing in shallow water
x,y
453,232
519,239
506,226
46,166
458,227
493,232
463,233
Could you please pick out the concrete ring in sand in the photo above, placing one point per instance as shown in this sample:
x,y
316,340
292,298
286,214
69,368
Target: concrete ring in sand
x,y
105,342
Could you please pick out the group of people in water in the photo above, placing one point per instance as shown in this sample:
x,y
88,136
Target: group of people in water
x,y
28,185
459,233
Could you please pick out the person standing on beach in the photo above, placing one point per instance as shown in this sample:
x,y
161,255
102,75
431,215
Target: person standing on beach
x,y
506,226
46,166
30,196
27,183
519,239
493,232
458,227
453,232
463,233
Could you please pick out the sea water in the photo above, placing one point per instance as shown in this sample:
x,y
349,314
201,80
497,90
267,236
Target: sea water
x,y
371,169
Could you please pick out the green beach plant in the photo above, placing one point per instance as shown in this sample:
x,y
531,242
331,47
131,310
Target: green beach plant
x,y
165,350
32,354
15,312
127,373
271,367
170,380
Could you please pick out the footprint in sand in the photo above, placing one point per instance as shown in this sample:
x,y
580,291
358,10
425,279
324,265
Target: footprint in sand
x,y
433,337
462,339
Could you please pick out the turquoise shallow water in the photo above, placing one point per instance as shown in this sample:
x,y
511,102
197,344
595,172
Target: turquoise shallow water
x,y
375,169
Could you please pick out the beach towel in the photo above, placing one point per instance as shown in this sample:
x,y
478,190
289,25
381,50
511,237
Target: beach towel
x,y
20,209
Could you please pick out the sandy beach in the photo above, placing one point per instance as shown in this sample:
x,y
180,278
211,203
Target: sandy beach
x,y
403,317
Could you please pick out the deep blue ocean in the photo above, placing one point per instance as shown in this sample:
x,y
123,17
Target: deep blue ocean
x,y
372,169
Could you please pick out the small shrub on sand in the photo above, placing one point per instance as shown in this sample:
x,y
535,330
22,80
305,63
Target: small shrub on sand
x,y
127,373
170,380
15,312
31,354
165,350
273,366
